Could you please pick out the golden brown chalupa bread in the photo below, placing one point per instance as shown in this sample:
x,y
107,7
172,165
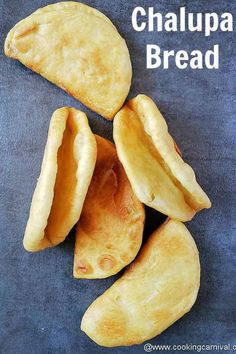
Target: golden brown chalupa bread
x,y
78,49
67,168
109,232
159,176
158,288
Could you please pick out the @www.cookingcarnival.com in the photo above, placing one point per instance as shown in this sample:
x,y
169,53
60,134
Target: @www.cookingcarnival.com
x,y
198,348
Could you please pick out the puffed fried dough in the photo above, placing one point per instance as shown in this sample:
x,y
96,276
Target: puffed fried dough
x,y
109,232
67,168
157,172
73,6
158,288
79,51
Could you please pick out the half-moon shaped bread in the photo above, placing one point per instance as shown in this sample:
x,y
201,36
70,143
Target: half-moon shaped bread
x,y
110,228
159,176
158,288
67,168
78,49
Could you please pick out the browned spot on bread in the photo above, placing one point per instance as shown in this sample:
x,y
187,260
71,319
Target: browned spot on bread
x,y
87,223
106,261
109,246
98,63
125,257
113,326
22,32
83,267
177,149
172,245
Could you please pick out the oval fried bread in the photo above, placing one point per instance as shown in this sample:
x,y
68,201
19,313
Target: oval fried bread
x,y
67,168
110,228
158,288
159,176
78,49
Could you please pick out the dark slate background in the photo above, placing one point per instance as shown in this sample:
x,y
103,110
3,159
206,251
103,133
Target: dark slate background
x,y
41,304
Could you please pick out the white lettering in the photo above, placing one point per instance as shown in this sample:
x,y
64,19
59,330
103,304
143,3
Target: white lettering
x,y
214,55
153,56
196,61
151,17
183,60
171,22
135,25
180,57
182,19
211,23
227,24
166,56
198,26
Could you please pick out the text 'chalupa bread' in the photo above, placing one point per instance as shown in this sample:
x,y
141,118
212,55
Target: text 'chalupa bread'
x,y
77,48
159,176
158,288
109,232
67,168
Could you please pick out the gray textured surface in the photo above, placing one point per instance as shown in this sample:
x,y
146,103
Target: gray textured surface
x,y
41,305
